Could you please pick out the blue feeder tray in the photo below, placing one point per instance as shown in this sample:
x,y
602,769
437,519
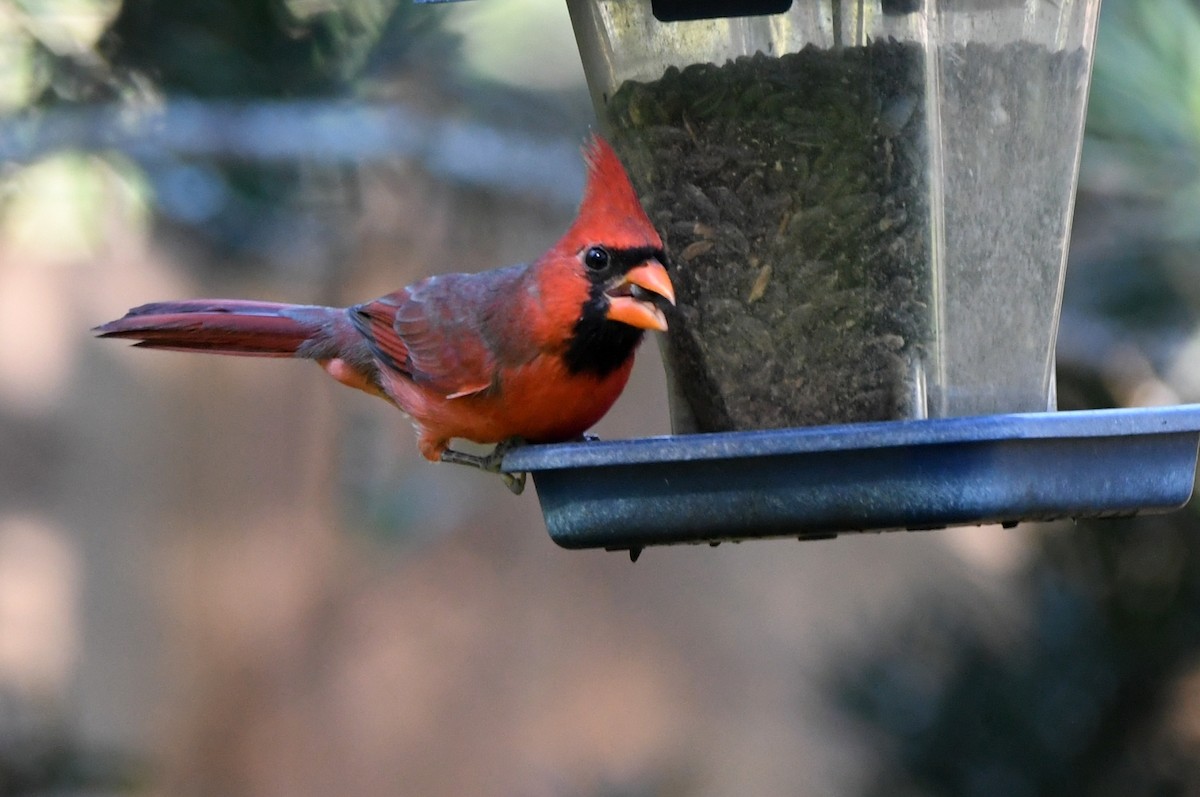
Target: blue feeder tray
x,y
822,481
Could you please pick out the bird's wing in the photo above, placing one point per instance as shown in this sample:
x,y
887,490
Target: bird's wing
x,y
441,332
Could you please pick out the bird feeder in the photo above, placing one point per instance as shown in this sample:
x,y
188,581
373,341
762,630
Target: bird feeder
x,y
867,206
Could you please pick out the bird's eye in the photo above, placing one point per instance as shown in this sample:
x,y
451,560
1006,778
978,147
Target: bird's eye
x,y
596,258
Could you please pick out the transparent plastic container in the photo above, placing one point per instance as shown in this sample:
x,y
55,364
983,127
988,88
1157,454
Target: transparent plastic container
x,y
867,204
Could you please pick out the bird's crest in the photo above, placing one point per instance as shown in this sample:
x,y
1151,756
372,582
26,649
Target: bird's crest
x,y
610,212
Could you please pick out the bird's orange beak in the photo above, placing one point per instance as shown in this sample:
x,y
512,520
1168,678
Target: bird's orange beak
x,y
631,301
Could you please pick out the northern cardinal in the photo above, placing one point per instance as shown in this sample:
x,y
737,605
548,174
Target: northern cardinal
x,y
534,352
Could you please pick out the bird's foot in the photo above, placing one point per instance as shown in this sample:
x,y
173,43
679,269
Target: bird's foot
x,y
491,462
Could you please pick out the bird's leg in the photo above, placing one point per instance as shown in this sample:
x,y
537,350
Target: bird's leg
x,y
490,462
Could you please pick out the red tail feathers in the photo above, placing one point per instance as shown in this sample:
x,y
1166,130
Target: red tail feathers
x,y
219,326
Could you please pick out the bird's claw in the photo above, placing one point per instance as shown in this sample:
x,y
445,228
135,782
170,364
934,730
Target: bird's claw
x,y
491,463
515,482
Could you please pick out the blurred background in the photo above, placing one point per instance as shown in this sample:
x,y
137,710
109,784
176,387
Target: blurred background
x,y
234,577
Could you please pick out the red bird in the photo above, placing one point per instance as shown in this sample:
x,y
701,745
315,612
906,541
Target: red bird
x,y
534,352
